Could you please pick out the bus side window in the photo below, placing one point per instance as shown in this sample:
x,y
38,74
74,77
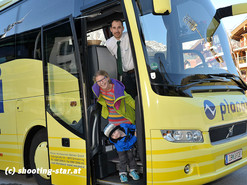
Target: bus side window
x,y
25,43
7,49
62,54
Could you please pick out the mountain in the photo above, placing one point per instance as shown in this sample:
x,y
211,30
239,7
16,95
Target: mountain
x,y
154,47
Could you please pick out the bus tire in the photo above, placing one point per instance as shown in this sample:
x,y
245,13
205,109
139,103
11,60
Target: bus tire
x,y
39,157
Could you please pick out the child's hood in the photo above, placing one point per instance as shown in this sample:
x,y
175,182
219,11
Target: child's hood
x,y
118,89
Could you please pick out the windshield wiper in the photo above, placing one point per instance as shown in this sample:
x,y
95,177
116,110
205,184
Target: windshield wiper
x,y
226,75
184,88
233,77
200,81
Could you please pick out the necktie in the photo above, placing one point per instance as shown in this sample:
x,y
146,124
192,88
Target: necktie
x,y
119,59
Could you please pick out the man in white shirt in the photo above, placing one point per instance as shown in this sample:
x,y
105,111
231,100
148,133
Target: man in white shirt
x,y
126,64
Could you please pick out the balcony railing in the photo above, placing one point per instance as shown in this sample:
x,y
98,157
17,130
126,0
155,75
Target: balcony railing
x,y
242,60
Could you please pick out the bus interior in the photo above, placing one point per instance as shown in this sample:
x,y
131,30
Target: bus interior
x,y
104,163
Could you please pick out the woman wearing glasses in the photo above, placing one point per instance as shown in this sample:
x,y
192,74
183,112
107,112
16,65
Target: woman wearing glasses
x,y
117,105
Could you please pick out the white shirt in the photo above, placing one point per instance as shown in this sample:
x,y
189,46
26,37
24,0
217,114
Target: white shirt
x,y
127,58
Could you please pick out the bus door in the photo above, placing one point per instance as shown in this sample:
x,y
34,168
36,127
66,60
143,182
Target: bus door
x,y
64,107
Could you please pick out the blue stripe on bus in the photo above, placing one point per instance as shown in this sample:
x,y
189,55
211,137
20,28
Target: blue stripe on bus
x,y
1,95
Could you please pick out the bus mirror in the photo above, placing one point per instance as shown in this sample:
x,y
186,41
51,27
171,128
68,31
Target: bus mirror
x,y
162,7
224,12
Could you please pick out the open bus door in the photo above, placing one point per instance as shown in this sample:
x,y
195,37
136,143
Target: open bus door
x,y
64,107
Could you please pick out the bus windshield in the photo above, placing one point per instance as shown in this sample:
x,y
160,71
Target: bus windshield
x,y
180,52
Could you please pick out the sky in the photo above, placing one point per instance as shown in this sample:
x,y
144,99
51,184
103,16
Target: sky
x,y
230,22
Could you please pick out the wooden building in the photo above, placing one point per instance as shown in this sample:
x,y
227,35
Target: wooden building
x,y
239,35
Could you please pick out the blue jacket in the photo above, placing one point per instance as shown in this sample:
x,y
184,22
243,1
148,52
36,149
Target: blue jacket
x,y
127,142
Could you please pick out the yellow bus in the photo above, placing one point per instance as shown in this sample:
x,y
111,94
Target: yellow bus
x,y
190,108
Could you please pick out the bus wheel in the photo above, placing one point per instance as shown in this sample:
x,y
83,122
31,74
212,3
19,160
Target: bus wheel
x,y
39,157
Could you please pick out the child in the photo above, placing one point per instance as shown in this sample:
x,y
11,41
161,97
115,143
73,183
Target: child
x,y
123,137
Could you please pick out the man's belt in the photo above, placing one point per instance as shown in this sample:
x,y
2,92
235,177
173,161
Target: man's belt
x,y
130,71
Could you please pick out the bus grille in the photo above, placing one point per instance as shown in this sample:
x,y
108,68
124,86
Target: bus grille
x,y
226,132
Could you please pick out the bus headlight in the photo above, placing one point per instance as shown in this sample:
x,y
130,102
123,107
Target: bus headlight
x,y
183,136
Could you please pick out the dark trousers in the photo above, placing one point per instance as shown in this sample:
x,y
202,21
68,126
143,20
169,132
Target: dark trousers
x,y
129,82
127,157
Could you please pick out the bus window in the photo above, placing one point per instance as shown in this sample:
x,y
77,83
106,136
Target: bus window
x,y
60,51
62,76
7,49
25,43
187,53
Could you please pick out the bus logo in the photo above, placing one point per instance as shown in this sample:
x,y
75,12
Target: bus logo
x,y
209,109
230,131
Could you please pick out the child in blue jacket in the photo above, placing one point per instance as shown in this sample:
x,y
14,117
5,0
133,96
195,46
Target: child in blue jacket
x,y
123,137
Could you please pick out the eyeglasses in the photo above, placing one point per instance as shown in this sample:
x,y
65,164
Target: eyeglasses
x,y
102,80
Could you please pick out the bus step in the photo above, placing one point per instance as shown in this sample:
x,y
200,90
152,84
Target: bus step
x,y
138,162
116,160
114,180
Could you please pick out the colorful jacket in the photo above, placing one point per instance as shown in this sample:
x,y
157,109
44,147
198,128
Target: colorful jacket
x,y
124,104
127,142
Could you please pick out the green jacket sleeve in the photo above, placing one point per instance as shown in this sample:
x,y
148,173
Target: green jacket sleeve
x,y
129,100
